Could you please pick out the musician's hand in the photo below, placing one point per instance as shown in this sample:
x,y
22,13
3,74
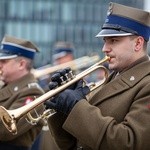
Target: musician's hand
x,y
60,77
65,101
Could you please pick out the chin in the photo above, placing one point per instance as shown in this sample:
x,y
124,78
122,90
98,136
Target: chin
x,y
111,67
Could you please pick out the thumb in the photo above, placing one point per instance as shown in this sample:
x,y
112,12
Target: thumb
x,y
85,90
50,104
79,84
82,87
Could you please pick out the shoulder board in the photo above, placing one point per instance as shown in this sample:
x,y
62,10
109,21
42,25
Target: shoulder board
x,y
34,84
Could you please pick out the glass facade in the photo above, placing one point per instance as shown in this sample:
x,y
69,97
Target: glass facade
x,y
46,21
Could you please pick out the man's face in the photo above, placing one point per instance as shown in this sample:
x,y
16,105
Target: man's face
x,y
121,51
9,70
64,59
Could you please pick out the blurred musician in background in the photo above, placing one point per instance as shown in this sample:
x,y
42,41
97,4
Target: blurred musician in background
x,y
63,52
19,88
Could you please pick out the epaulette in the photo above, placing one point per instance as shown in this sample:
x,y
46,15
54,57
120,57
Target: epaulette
x,y
34,84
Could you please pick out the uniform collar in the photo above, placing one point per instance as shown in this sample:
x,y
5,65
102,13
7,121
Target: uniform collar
x,y
124,81
140,60
21,83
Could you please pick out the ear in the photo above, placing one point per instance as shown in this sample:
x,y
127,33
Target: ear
x,y
139,43
22,64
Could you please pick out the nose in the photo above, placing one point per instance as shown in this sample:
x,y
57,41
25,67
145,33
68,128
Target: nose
x,y
106,48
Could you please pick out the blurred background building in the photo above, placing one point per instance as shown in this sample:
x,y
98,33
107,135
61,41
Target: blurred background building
x,y
47,21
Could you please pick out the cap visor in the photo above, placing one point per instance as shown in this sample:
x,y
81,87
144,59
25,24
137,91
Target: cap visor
x,y
110,32
59,55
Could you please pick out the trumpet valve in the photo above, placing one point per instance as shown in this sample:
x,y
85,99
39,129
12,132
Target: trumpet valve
x,y
47,113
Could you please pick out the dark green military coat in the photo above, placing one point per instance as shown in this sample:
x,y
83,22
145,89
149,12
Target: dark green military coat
x,y
117,117
16,95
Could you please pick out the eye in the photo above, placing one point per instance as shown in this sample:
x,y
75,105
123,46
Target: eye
x,y
114,40
104,40
4,61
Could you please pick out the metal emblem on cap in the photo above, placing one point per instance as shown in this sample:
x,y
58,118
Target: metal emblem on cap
x,y
110,9
108,12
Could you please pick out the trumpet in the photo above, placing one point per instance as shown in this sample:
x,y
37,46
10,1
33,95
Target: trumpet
x,y
11,117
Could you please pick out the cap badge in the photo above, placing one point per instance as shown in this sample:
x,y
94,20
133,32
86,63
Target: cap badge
x,y
109,12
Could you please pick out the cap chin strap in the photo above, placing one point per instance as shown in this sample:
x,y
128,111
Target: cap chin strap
x,y
119,28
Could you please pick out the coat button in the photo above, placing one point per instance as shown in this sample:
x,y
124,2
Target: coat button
x,y
16,88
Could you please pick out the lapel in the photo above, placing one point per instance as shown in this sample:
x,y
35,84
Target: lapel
x,y
111,88
122,82
5,94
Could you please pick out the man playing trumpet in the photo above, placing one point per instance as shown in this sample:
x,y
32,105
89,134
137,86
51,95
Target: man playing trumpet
x,y
117,115
20,88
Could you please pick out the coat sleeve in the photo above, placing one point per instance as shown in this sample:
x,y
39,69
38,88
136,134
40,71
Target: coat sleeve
x,y
63,139
104,131
23,127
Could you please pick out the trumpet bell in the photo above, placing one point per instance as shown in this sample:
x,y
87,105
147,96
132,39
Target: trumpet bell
x,y
8,120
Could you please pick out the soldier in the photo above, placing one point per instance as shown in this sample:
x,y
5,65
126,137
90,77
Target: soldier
x,y
117,115
63,52
20,88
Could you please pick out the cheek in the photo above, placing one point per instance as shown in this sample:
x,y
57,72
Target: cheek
x,y
118,61
7,72
9,69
